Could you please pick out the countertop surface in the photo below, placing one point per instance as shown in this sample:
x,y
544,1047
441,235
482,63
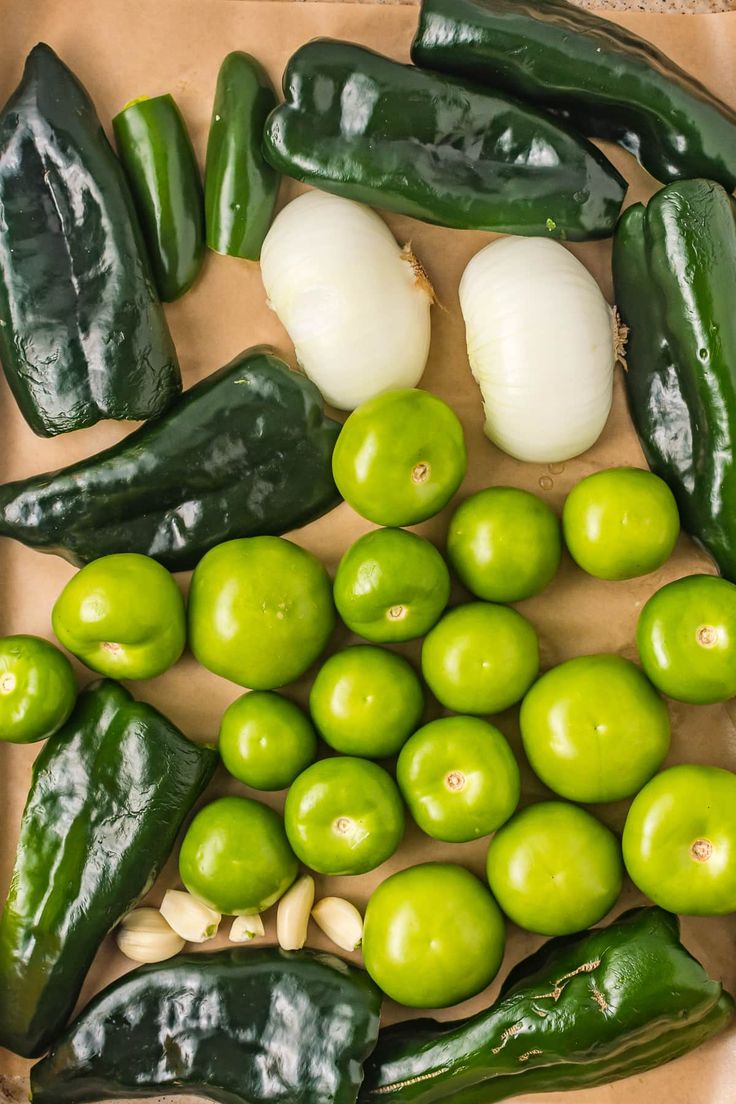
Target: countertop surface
x,y
668,7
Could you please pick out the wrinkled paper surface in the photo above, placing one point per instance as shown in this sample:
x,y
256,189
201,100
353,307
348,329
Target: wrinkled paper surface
x,y
126,48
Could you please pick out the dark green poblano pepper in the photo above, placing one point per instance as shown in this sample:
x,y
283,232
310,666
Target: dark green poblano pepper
x,y
674,268
601,78
241,1026
246,452
110,792
583,1011
82,333
393,136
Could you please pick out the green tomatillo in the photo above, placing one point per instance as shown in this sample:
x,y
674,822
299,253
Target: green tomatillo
x,y
594,728
391,585
266,740
344,816
433,936
235,856
554,869
459,778
37,689
504,544
366,701
620,523
123,615
480,658
686,637
260,611
400,457
679,840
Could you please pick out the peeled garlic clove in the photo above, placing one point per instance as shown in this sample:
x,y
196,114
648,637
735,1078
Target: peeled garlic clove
x,y
144,936
292,915
246,928
194,921
340,921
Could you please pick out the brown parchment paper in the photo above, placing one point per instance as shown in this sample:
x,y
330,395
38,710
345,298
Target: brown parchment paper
x,y
126,48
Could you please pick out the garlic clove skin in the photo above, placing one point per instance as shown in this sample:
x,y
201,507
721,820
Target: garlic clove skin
x,y
191,919
292,915
340,921
144,936
245,928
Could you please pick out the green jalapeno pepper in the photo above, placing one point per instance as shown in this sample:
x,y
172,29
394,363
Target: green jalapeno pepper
x,y
240,185
162,171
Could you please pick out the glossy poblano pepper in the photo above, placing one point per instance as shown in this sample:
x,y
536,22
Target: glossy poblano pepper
x,y
674,267
158,158
241,1026
110,791
246,452
82,333
365,127
240,185
603,79
583,1011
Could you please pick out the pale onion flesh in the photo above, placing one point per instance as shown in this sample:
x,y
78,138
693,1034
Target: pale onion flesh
x,y
542,345
354,303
